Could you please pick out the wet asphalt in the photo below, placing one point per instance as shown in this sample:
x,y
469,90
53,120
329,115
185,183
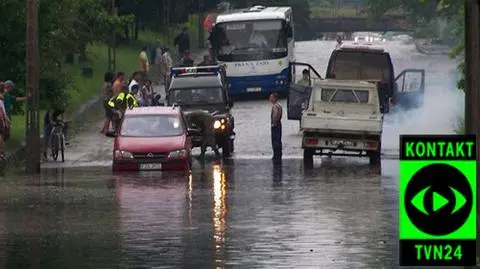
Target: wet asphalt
x,y
242,213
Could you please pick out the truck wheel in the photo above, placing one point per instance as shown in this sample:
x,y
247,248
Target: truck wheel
x,y
375,156
308,155
226,148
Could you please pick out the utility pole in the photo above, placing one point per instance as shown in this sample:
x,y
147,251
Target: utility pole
x,y
112,53
472,79
166,20
32,119
201,18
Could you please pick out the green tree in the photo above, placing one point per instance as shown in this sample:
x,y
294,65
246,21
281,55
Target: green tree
x,y
301,13
65,27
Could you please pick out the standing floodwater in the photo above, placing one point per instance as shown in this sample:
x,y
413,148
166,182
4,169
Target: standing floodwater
x,y
245,213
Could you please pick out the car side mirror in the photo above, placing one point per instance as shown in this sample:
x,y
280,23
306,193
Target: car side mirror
x,y
193,132
289,31
230,103
303,106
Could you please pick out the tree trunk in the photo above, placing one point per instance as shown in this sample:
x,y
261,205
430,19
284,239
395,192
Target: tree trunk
x,y
70,58
83,53
127,32
137,29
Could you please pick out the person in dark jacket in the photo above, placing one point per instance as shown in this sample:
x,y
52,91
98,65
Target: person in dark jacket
x,y
182,41
204,121
186,60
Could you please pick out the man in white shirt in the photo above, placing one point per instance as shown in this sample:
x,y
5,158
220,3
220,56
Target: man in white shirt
x,y
134,81
167,65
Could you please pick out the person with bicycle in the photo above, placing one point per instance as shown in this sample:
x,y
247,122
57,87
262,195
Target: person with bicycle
x,y
53,118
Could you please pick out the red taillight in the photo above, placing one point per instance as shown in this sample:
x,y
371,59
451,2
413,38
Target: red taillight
x,y
311,140
371,145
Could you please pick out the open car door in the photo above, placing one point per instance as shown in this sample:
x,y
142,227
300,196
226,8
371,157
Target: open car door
x,y
409,89
299,94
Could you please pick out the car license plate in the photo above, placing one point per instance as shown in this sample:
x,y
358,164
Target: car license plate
x,y
150,166
254,89
342,142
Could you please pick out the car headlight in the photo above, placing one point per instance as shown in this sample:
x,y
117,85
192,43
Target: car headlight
x,y
178,153
219,124
122,154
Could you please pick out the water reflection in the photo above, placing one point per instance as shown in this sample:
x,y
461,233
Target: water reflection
x,y
57,221
190,197
219,214
277,174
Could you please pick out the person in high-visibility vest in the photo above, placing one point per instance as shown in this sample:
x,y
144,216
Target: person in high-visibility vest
x,y
130,99
125,99
121,102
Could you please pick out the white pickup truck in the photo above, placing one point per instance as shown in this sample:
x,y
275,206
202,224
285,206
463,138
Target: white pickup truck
x,y
342,117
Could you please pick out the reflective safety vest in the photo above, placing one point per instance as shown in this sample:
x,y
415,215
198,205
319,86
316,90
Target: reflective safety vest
x,y
132,98
121,97
111,102
114,99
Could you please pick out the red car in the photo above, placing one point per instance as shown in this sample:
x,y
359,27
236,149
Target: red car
x,y
152,138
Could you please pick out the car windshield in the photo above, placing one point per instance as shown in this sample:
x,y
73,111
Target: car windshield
x,y
196,96
361,66
250,40
151,126
343,96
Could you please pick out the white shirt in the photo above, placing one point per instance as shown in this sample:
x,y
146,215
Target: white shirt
x,y
139,97
132,83
159,54
168,62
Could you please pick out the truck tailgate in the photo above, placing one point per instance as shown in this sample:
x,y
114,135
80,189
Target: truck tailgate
x,y
343,124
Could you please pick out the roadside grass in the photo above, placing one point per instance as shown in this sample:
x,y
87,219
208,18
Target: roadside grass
x,y
84,89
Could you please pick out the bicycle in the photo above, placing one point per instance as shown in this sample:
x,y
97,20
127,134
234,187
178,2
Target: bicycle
x,y
57,141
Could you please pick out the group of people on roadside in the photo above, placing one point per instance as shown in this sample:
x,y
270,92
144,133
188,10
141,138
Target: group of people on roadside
x,y
119,94
183,42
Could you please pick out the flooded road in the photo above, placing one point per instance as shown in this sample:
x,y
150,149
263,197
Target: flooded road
x,y
245,213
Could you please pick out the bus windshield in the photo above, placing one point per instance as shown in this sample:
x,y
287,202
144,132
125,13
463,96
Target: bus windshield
x,y
250,40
